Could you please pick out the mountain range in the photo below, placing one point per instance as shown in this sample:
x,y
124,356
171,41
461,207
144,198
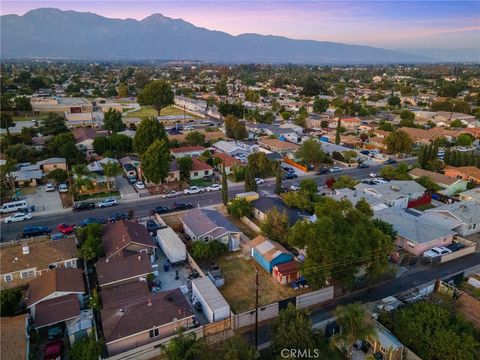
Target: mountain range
x,y
56,34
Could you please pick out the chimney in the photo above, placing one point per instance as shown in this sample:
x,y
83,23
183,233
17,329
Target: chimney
x,y
149,302
25,250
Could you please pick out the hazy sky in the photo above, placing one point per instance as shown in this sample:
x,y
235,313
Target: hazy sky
x,y
389,24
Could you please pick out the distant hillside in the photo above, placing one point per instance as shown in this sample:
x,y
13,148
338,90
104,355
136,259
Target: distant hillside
x,y
52,33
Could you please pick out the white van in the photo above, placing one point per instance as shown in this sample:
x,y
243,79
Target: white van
x,y
13,207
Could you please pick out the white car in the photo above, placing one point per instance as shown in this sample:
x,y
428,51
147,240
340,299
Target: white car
x,y
49,187
378,181
63,188
140,185
259,181
335,169
373,174
107,203
193,190
18,217
437,251
214,187
171,193
295,187
188,128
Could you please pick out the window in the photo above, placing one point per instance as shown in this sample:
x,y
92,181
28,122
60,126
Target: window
x,y
206,172
8,277
71,264
26,274
195,173
474,226
382,349
153,333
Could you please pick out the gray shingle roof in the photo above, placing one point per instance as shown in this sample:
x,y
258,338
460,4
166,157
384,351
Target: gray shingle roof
x,y
203,221
266,203
465,211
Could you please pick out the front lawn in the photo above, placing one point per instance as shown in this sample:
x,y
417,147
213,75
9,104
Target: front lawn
x,y
147,111
29,117
101,195
201,182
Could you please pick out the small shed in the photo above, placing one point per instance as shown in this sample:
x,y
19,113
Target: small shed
x,y
287,273
172,245
269,253
214,306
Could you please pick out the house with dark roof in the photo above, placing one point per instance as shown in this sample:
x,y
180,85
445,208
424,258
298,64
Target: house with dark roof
x,y
209,225
132,316
15,338
269,253
449,185
265,203
56,296
126,237
122,269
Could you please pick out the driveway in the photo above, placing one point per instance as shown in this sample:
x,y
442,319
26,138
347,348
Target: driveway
x,y
44,202
126,189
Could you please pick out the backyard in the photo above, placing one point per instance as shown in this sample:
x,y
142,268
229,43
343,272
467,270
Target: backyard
x,y
239,288
147,111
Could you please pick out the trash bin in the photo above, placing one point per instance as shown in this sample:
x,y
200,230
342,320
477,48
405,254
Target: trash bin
x,y
32,208
166,267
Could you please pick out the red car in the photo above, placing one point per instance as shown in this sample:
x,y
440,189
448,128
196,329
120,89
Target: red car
x,y
53,350
65,228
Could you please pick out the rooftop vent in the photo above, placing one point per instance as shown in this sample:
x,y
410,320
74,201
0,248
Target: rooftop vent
x,y
395,188
25,250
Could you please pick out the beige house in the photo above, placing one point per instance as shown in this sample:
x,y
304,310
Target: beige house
x,y
50,164
60,105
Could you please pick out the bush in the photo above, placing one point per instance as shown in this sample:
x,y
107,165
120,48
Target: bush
x,y
9,301
240,207
208,251
338,156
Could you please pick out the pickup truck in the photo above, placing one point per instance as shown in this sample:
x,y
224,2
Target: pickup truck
x,y
193,190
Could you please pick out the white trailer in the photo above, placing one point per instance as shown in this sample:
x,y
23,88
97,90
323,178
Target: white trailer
x,y
214,306
172,245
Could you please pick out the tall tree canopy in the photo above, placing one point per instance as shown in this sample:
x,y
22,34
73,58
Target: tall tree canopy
x,y
156,161
158,94
234,128
112,121
311,153
398,142
148,131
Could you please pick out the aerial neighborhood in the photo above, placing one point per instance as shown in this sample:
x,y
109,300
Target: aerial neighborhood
x,y
229,209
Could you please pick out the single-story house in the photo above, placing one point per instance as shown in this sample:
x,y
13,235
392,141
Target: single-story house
x,y
287,273
467,173
463,217
227,161
84,137
470,195
126,236
206,225
123,269
265,203
50,164
187,151
415,234
449,185
132,316
394,193
15,338
200,169
268,253
22,262
283,147
234,148
27,175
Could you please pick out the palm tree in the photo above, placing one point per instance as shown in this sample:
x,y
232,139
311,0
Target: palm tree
x,y
81,178
354,325
111,169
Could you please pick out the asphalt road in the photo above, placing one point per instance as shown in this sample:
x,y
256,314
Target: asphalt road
x,y
143,206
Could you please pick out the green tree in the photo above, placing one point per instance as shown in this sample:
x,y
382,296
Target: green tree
x,y
63,145
156,161
185,347
407,115
395,173
364,207
237,348
6,122
111,169
464,140
457,123
157,94
185,164
386,126
54,124
250,183
58,176
120,144
122,90
90,238
221,88
308,186
234,128
354,324
240,207
324,124
275,225
278,180
398,142
195,138
141,79
101,144
338,131
112,121
292,329
10,301
224,186
320,105
394,101
148,131
311,153
345,181
261,165
22,103
86,349
386,228
428,183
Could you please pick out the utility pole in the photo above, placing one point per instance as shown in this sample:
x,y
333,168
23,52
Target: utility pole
x,y
256,309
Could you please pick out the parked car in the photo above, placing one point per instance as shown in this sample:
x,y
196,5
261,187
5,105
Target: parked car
x,y
18,217
107,203
335,169
65,228
322,171
289,176
132,179
374,174
49,187
455,246
295,187
214,187
182,206
57,236
288,169
377,181
55,332
161,210
363,165
31,231
117,217
140,185
437,251
390,161
91,220
85,205
53,350
63,188
152,226
193,190
259,181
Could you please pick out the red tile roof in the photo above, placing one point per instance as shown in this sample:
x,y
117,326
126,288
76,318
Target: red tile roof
x,y
288,268
200,165
186,149
227,159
